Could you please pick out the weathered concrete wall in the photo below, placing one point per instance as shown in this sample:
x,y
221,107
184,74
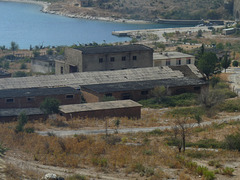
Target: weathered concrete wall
x,y
117,61
42,66
35,101
132,112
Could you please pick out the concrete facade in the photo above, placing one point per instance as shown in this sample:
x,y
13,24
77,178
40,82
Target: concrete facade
x,y
101,110
105,58
172,59
32,98
45,64
141,90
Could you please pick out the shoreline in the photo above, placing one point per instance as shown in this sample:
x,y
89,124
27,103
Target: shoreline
x,y
45,9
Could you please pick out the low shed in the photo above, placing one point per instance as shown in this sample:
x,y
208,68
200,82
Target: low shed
x,y
100,110
7,115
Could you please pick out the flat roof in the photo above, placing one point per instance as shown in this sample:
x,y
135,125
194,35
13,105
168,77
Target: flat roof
x,y
114,49
170,55
98,106
17,111
143,85
29,92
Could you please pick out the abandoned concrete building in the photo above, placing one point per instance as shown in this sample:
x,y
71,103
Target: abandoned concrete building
x,y
45,64
172,59
33,97
99,110
142,78
135,84
105,58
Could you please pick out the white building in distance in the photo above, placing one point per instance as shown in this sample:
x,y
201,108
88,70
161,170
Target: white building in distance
x,y
172,59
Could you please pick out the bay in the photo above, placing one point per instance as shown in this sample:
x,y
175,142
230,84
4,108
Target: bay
x,y
26,25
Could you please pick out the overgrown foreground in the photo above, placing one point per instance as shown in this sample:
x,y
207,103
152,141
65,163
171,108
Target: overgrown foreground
x,y
141,155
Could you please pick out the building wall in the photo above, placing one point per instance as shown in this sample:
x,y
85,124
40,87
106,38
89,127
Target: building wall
x,y
173,62
130,112
123,60
91,62
14,118
138,95
25,102
73,58
42,66
90,97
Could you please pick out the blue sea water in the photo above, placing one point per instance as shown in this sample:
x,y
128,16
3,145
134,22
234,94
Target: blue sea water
x,y
27,25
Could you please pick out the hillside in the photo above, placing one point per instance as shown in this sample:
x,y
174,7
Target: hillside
x,y
146,9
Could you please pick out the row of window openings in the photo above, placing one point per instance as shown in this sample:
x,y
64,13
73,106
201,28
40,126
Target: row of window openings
x,y
112,59
127,94
32,99
178,62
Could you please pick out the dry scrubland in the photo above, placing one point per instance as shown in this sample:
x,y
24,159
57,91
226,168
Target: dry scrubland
x,y
123,156
146,10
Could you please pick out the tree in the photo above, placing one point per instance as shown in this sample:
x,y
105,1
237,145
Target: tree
x,y
36,53
199,34
50,106
183,127
49,52
159,93
225,63
22,120
235,63
117,123
14,46
208,63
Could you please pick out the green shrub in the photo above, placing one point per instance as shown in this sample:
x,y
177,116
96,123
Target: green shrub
x,y
228,171
230,106
156,132
101,162
186,112
30,130
148,152
77,177
232,142
209,175
200,170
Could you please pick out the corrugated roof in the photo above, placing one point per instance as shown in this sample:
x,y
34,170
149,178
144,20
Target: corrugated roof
x,y
143,85
28,92
98,106
114,49
86,78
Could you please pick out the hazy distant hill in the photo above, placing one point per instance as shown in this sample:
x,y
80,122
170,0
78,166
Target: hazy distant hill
x,y
152,9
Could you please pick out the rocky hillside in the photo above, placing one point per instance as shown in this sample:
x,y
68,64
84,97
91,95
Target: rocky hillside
x,y
146,9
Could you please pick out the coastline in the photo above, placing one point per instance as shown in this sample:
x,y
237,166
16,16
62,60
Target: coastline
x,y
45,9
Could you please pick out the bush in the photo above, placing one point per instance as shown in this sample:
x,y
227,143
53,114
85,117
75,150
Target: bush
x,y
235,63
22,120
230,106
23,66
228,171
20,74
30,130
232,142
77,177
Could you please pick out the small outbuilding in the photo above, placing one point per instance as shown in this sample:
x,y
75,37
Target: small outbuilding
x,y
100,110
7,115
